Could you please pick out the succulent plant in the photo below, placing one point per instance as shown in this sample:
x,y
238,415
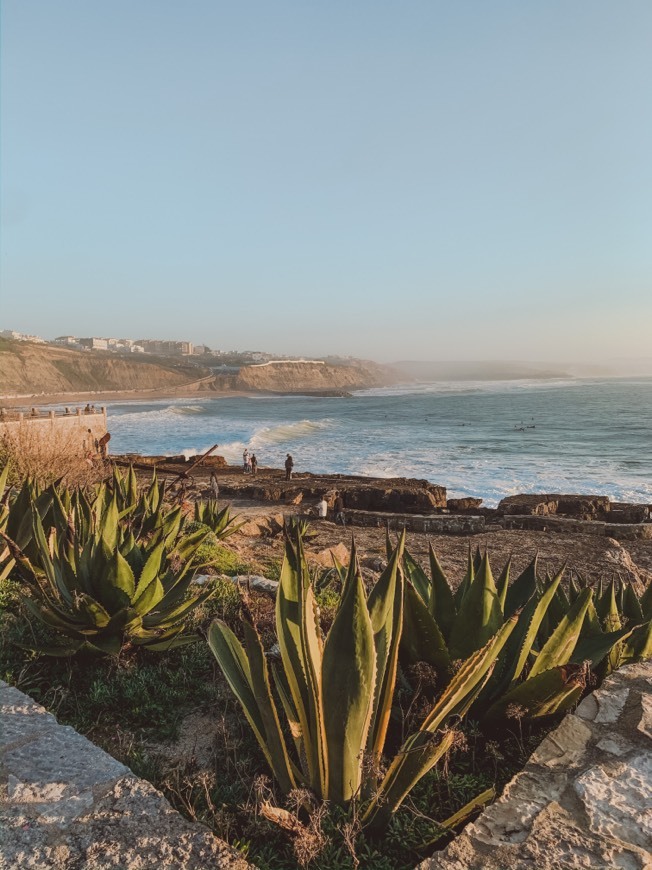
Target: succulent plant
x,y
336,692
559,637
104,570
220,522
101,590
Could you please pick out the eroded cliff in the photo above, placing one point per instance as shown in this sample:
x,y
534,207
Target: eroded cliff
x,y
32,369
309,377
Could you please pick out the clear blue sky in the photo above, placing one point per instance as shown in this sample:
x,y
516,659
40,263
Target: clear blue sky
x,y
420,180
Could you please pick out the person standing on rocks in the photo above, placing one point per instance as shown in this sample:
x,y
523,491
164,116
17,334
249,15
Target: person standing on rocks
x,y
254,464
322,508
338,509
289,465
245,460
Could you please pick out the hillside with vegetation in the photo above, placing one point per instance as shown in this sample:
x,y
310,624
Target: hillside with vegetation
x,y
35,369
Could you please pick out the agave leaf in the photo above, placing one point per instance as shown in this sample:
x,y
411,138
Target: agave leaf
x,y
421,639
188,546
477,559
105,644
3,478
146,599
62,652
300,643
162,618
593,649
348,684
519,646
172,643
503,583
522,589
151,569
109,525
283,689
479,616
646,602
122,575
559,647
461,590
385,606
95,614
591,626
417,577
442,600
574,588
611,619
461,817
552,691
52,616
638,646
631,605
248,676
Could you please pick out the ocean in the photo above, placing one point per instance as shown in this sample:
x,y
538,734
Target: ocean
x,y
483,439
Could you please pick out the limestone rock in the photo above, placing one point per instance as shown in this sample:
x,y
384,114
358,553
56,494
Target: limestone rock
x,y
584,799
325,557
65,804
463,504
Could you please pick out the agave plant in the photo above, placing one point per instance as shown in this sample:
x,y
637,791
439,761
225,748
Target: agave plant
x,y
100,588
336,692
293,526
542,669
220,522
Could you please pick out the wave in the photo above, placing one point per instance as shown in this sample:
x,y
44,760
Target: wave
x,y
286,432
187,409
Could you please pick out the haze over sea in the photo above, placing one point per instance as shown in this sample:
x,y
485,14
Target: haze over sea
x,y
485,439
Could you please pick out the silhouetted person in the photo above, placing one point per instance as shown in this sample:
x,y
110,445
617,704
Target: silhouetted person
x,y
338,509
254,463
289,465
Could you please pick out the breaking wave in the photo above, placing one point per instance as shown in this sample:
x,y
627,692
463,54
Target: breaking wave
x,y
288,432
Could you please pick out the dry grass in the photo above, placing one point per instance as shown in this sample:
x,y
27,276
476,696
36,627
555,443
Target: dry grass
x,y
46,457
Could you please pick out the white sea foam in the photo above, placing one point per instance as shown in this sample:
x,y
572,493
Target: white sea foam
x,y
288,432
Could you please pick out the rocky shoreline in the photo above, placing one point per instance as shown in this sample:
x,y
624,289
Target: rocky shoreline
x,y
410,498
590,548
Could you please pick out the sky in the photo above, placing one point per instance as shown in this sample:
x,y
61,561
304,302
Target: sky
x,y
419,180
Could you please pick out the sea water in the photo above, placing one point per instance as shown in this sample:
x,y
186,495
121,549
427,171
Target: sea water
x,y
484,439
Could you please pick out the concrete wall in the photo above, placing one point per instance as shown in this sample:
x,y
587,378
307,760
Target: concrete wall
x,y
49,428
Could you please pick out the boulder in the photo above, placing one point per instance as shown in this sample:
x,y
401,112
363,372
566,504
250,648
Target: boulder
x,y
396,499
623,512
581,507
325,557
528,505
463,504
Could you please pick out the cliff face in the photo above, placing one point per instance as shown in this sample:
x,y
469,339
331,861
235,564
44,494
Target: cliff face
x,y
300,377
30,369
